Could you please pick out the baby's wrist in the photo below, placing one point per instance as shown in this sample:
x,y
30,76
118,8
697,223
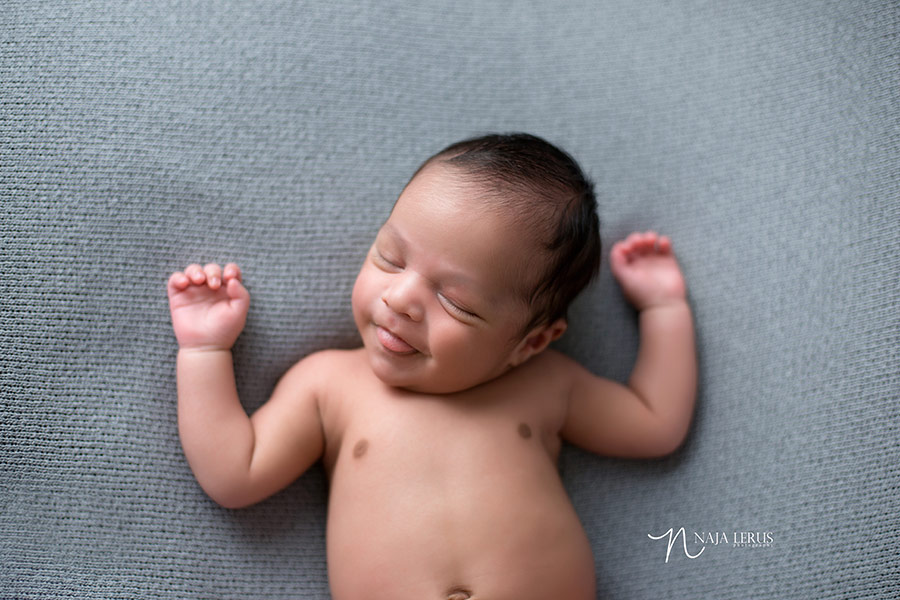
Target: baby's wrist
x,y
667,304
201,349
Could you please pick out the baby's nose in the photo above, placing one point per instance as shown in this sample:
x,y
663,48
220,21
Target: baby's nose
x,y
404,297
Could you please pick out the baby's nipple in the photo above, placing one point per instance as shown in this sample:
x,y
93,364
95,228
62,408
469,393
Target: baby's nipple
x,y
360,448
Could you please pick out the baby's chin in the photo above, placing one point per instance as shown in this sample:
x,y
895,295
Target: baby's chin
x,y
418,385
424,381
417,377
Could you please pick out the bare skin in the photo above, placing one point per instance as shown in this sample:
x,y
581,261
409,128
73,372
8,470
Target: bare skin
x,y
440,435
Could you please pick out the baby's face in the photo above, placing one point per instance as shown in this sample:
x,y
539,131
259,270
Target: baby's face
x,y
437,301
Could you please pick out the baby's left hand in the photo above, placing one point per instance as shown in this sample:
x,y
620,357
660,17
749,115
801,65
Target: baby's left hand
x,y
647,271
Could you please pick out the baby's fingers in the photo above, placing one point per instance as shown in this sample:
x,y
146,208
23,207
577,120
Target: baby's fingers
x,y
213,275
232,271
195,273
664,245
178,281
240,297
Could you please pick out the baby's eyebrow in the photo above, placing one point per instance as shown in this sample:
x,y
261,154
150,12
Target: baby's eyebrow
x,y
448,278
454,279
389,229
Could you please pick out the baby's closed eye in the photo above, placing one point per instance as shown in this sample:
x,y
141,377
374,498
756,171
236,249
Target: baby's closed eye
x,y
454,307
386,262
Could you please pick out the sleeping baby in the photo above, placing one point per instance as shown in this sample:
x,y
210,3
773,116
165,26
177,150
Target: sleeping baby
x,y
440,435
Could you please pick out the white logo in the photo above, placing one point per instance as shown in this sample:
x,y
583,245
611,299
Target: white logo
x,y
739,539
672,539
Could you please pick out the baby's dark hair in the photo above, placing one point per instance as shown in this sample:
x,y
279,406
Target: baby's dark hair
x,y
544,187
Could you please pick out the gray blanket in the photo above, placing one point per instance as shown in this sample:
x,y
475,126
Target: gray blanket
x,y
137,137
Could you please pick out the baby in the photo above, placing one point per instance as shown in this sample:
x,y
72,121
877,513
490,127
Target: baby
x,y
440,435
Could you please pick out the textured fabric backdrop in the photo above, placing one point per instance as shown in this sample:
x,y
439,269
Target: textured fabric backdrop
x,y
137,137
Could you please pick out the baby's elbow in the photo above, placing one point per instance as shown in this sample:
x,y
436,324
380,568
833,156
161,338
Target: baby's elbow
x,y
668,441
232,503
671,431
229,496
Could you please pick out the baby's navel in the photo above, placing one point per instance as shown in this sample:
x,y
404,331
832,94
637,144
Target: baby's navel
x,y
524,430
360,448
458,593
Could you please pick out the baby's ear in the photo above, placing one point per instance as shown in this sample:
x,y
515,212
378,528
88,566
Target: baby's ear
x,y
537,341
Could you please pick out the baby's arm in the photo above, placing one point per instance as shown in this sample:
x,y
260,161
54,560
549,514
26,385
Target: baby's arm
x,y
651,415
237,460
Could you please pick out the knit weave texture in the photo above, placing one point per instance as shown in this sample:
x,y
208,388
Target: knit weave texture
x,y
139,137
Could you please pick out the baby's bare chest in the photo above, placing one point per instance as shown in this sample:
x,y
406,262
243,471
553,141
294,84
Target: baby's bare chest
x,y
445,486
438,447
372,427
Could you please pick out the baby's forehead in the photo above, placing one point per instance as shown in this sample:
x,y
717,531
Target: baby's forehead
x,y
520,218
524,251
521,203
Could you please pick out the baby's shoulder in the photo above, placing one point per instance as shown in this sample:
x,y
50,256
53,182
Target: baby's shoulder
x,y
555,363
338,376
317,372
551,367
326,364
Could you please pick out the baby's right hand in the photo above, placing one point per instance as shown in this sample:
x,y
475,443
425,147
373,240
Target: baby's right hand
x,y
209,307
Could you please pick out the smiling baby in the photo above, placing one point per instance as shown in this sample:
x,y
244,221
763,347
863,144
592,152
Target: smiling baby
x,y
440,435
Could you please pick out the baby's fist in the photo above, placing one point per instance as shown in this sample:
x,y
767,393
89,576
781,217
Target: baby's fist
x,y
647,271
208,306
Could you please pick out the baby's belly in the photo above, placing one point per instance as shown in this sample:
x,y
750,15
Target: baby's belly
x,y
465,519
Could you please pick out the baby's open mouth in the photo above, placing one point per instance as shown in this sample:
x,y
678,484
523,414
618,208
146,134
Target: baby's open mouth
x,y
392,342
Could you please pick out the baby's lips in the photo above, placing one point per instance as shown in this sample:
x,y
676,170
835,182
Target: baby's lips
x,y
393,342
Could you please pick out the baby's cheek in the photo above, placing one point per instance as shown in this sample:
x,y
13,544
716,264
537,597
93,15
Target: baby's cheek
x,y
461,350
444,338
362,292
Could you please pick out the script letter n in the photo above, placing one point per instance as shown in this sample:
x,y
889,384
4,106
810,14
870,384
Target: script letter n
x,y
672,539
